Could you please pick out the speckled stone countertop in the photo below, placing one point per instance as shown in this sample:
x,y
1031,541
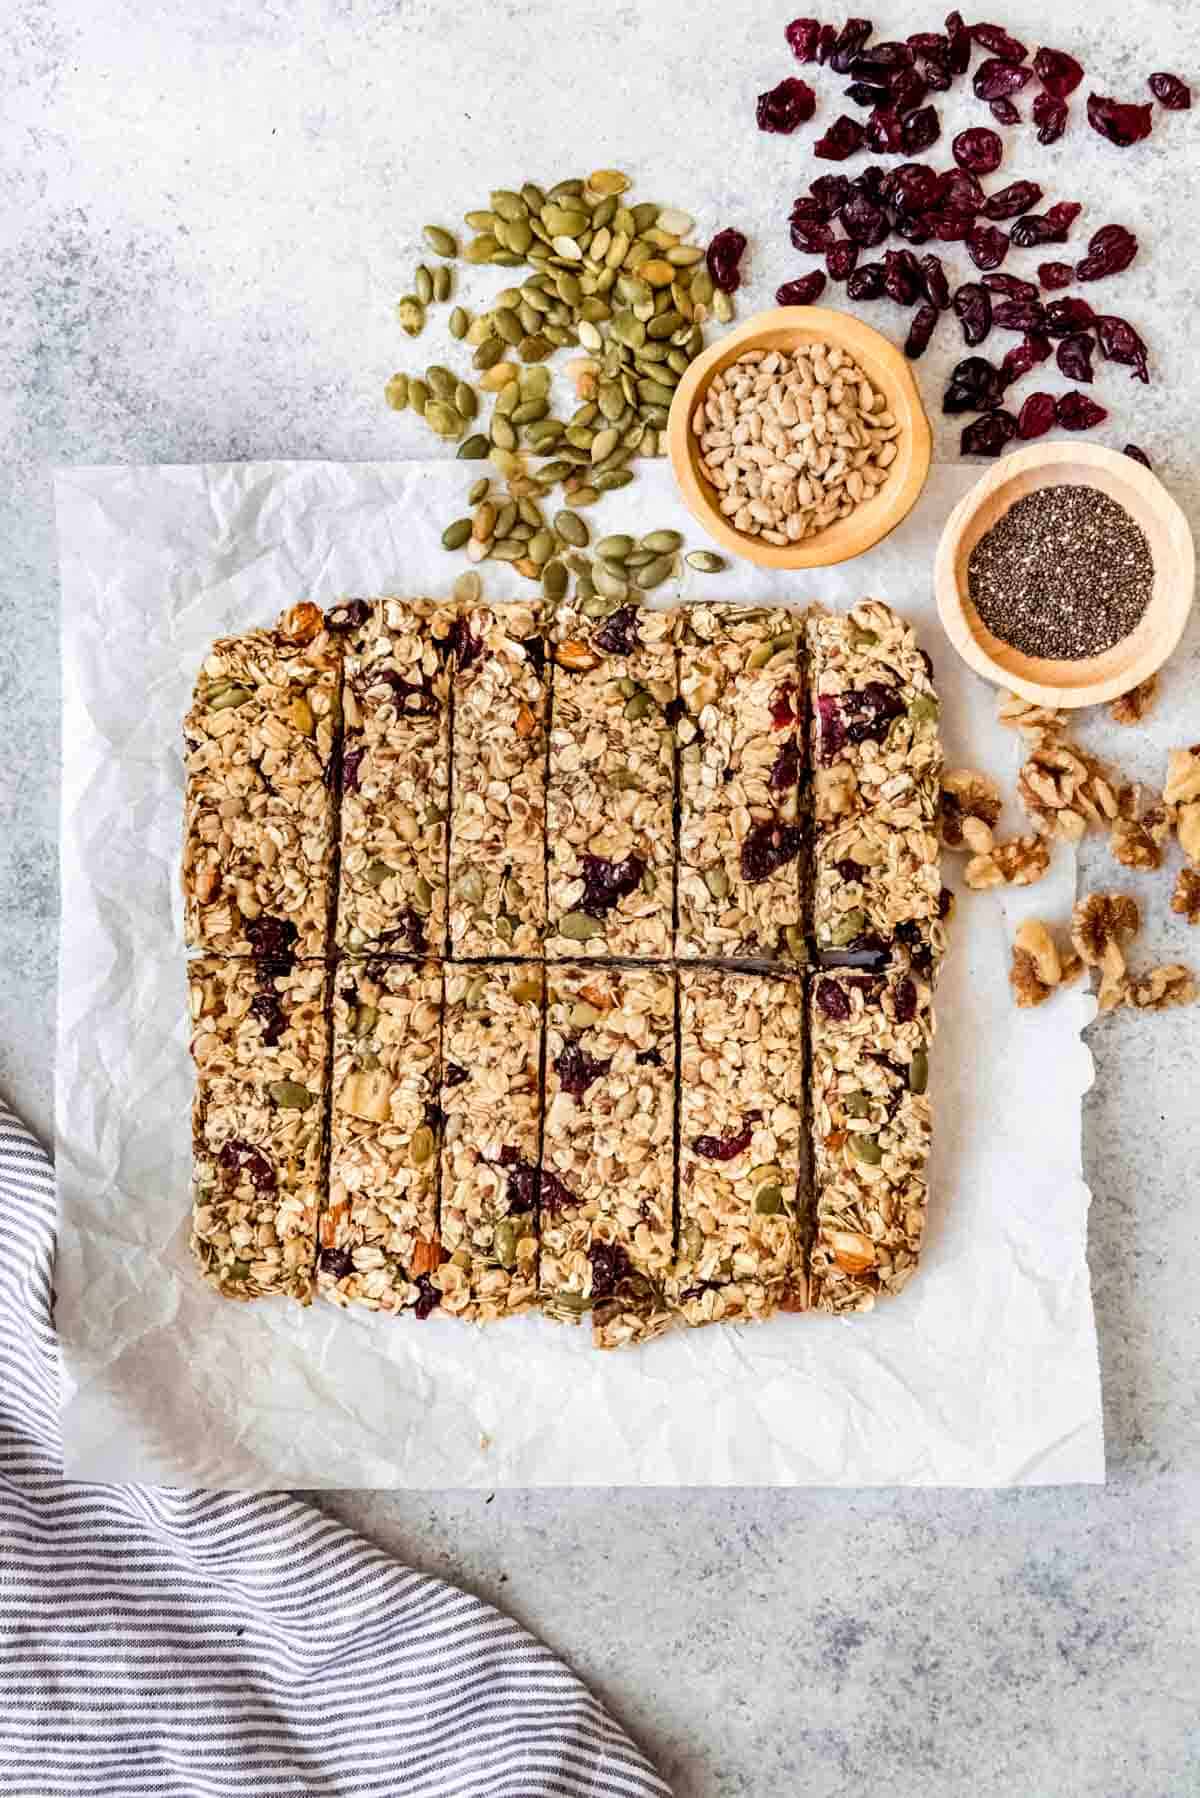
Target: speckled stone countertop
x,y
208,212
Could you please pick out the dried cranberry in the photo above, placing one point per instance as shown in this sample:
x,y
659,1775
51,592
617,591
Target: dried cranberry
x,y
1171,92
610,1265
934,283
882,61
240,1157
1058,73
832,729
806,290
428,1297
411,699
1067,315
997,40
1050,116
784,107
909,91
1012,287
435,1117
870,181
920,129
521,1192
1023,356
723,256
649,1058
845,137
975,385
920,330
1122,123
863,221
987,245
978,150
1119,342
785,771
912,187
934,74
274,938
1075,356
454,1075
808,209
987,436
830,193
885,131
826,43
1077,411
535,653
996,79
1037,415
339,1263
351,615
866,283
467,647
1062,216
410,930
848,870
1035,228
973,309
1111,249
728,1148
576,1069
618,635
1008,201
1137,455
960,191
912,230
840,258
960,43
952,225
351,768
833,1001
606,883
863,94
851,38
1019,315
901,277
904,1000
766,848
1004,112
802,36
930,43
266,1007
811,236
1055,274
783,705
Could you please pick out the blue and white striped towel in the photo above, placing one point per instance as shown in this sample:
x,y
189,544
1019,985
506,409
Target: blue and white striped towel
x,y
156,1643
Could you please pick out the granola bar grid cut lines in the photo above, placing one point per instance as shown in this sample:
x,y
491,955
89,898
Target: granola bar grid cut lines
x,y
259,1045
379,1231
741,684
741,1117
610,838
608,1158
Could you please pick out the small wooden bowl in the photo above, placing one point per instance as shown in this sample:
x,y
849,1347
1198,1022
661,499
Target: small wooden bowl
x,y
1041,679
888,371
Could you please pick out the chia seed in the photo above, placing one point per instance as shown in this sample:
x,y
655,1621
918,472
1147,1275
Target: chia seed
x,y
1066,573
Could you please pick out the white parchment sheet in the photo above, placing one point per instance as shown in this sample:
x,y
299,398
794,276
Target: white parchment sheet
x,y
985,1371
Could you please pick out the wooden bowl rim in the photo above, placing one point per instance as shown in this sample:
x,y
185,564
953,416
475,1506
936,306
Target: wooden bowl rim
x,y
888,366
1174,602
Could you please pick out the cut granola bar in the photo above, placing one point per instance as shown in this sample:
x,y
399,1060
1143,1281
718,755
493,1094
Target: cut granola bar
x,y
741,1061
258,813
395,774
608,1154
258,1042
379,1231
871,1132
498,784
491,1047
610,830
740,756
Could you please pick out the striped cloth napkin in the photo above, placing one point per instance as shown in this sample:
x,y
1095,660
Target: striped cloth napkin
x,y
156,1643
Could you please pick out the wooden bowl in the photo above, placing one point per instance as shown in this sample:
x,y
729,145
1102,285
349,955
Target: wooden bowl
x,y
888,371
1042,679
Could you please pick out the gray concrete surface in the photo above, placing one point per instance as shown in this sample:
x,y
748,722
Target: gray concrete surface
x,y
205,213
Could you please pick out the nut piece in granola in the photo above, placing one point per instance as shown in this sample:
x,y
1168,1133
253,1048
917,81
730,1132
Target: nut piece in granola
x,y
1017,862
1186,898
1101,924
1037,967
1160,989
970,810
1137,704
1064,789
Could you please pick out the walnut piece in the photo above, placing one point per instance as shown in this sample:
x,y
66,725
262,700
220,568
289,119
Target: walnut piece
x,y
1186,898
1187,828
1135,705
1037,967
969,810
1100,924
1017,862
1135,843
1033,721
1183,776
1064,789
1171,984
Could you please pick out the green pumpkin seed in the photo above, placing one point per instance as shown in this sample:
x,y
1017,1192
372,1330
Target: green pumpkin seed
x,y
717,882
396,392
723,306
579,928
506,517
228,699
479,221
377,873
923,709
768,1201
614,548
441,240
441,381
473,449
418,395
706,561
422,896
797,944
867,1149
466,401
289,1095
423,284
456,534
468,588
620,477
857,1105
504,928
535,382
611,584
535,348
443,281
479,490
460,324
365,1019
918,1072
443,419
411,315
849,925
655,573
594,606
530,412
541,547
508,327
470,887
503,435
663,543
584,496
639,707
702,288
507,205
554,581
422,1146
482,248
572,529
504,1242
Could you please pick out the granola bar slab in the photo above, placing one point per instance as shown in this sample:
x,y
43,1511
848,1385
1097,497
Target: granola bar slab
x,y
498,784
739,768
259,810
608,1152
258,1042
611,794
871,1124
741,1064
379,1230
395,774
491,1052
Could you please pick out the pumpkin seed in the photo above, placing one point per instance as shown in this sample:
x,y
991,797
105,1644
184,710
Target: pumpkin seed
x,y
572,529
923,709
482,248
441,240
655,573
418,395
396,392
443,281
849,925
443,419
468,588
459,324
473,449
663,543
639,707
717,882
377,873
456,534
504,1241
289,1095
706,561
614,548
530,412
608,181
865,1148
541,547
423,284
723,306
797,944
488,354
584,496
466,401
504,928
857,1105
768,1201
619,477
554,581
918,1072
228,699
421,1148
579,928
411,315
611,584
535,348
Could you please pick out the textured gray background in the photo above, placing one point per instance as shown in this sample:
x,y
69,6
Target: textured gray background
x,y
206,212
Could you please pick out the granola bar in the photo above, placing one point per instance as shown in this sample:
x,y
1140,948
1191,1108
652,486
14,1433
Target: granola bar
x,y
379,1231
395,774
611,794
258,1042
258,813
741,1062
491,1048
871,1133
740,754
498,784
608,1155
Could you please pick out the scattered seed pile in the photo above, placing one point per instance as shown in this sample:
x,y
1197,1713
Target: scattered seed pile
x,y
1065,573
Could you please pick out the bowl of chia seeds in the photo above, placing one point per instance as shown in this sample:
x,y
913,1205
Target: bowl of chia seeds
x,y
1066,574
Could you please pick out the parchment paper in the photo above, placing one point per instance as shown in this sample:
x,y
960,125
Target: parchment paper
x,y
983,1373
